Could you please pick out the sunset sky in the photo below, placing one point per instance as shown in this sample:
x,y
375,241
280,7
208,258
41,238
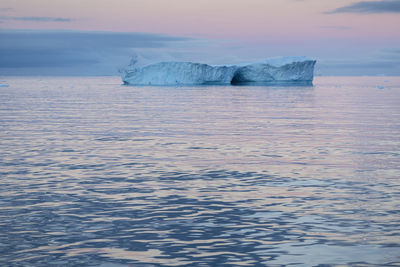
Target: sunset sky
x,y
98,36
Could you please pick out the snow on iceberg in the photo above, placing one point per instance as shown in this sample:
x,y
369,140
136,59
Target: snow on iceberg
x,y
271,71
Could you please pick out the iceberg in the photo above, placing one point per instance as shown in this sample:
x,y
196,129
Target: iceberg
x,y
283,70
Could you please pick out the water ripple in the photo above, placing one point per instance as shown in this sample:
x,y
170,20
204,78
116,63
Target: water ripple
x,y
207,176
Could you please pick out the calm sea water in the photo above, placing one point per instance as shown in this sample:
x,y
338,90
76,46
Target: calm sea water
x,y
94,173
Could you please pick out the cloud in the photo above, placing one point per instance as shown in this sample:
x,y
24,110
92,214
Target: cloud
x,y
44,52
6,9
385,6
42,19
390,54
380,61
37,19
366,64
336,27
73,52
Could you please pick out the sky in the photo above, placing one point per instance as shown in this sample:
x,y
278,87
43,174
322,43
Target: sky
x,y
98,37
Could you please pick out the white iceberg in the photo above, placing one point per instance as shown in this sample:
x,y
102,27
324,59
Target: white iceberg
x,y
271,71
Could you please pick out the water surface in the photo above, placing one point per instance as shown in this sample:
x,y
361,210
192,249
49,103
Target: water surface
x,y
95,173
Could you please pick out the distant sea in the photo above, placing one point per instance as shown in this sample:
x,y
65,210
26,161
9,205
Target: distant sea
x,y
96,173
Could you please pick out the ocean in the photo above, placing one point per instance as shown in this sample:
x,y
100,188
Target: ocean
x,y
96,173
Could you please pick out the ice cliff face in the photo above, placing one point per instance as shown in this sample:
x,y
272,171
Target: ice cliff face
x,y
277,70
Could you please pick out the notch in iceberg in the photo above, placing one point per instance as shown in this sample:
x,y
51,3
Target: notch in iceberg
x,y
297,70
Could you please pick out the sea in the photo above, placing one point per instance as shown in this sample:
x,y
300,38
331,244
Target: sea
x,y
97,173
